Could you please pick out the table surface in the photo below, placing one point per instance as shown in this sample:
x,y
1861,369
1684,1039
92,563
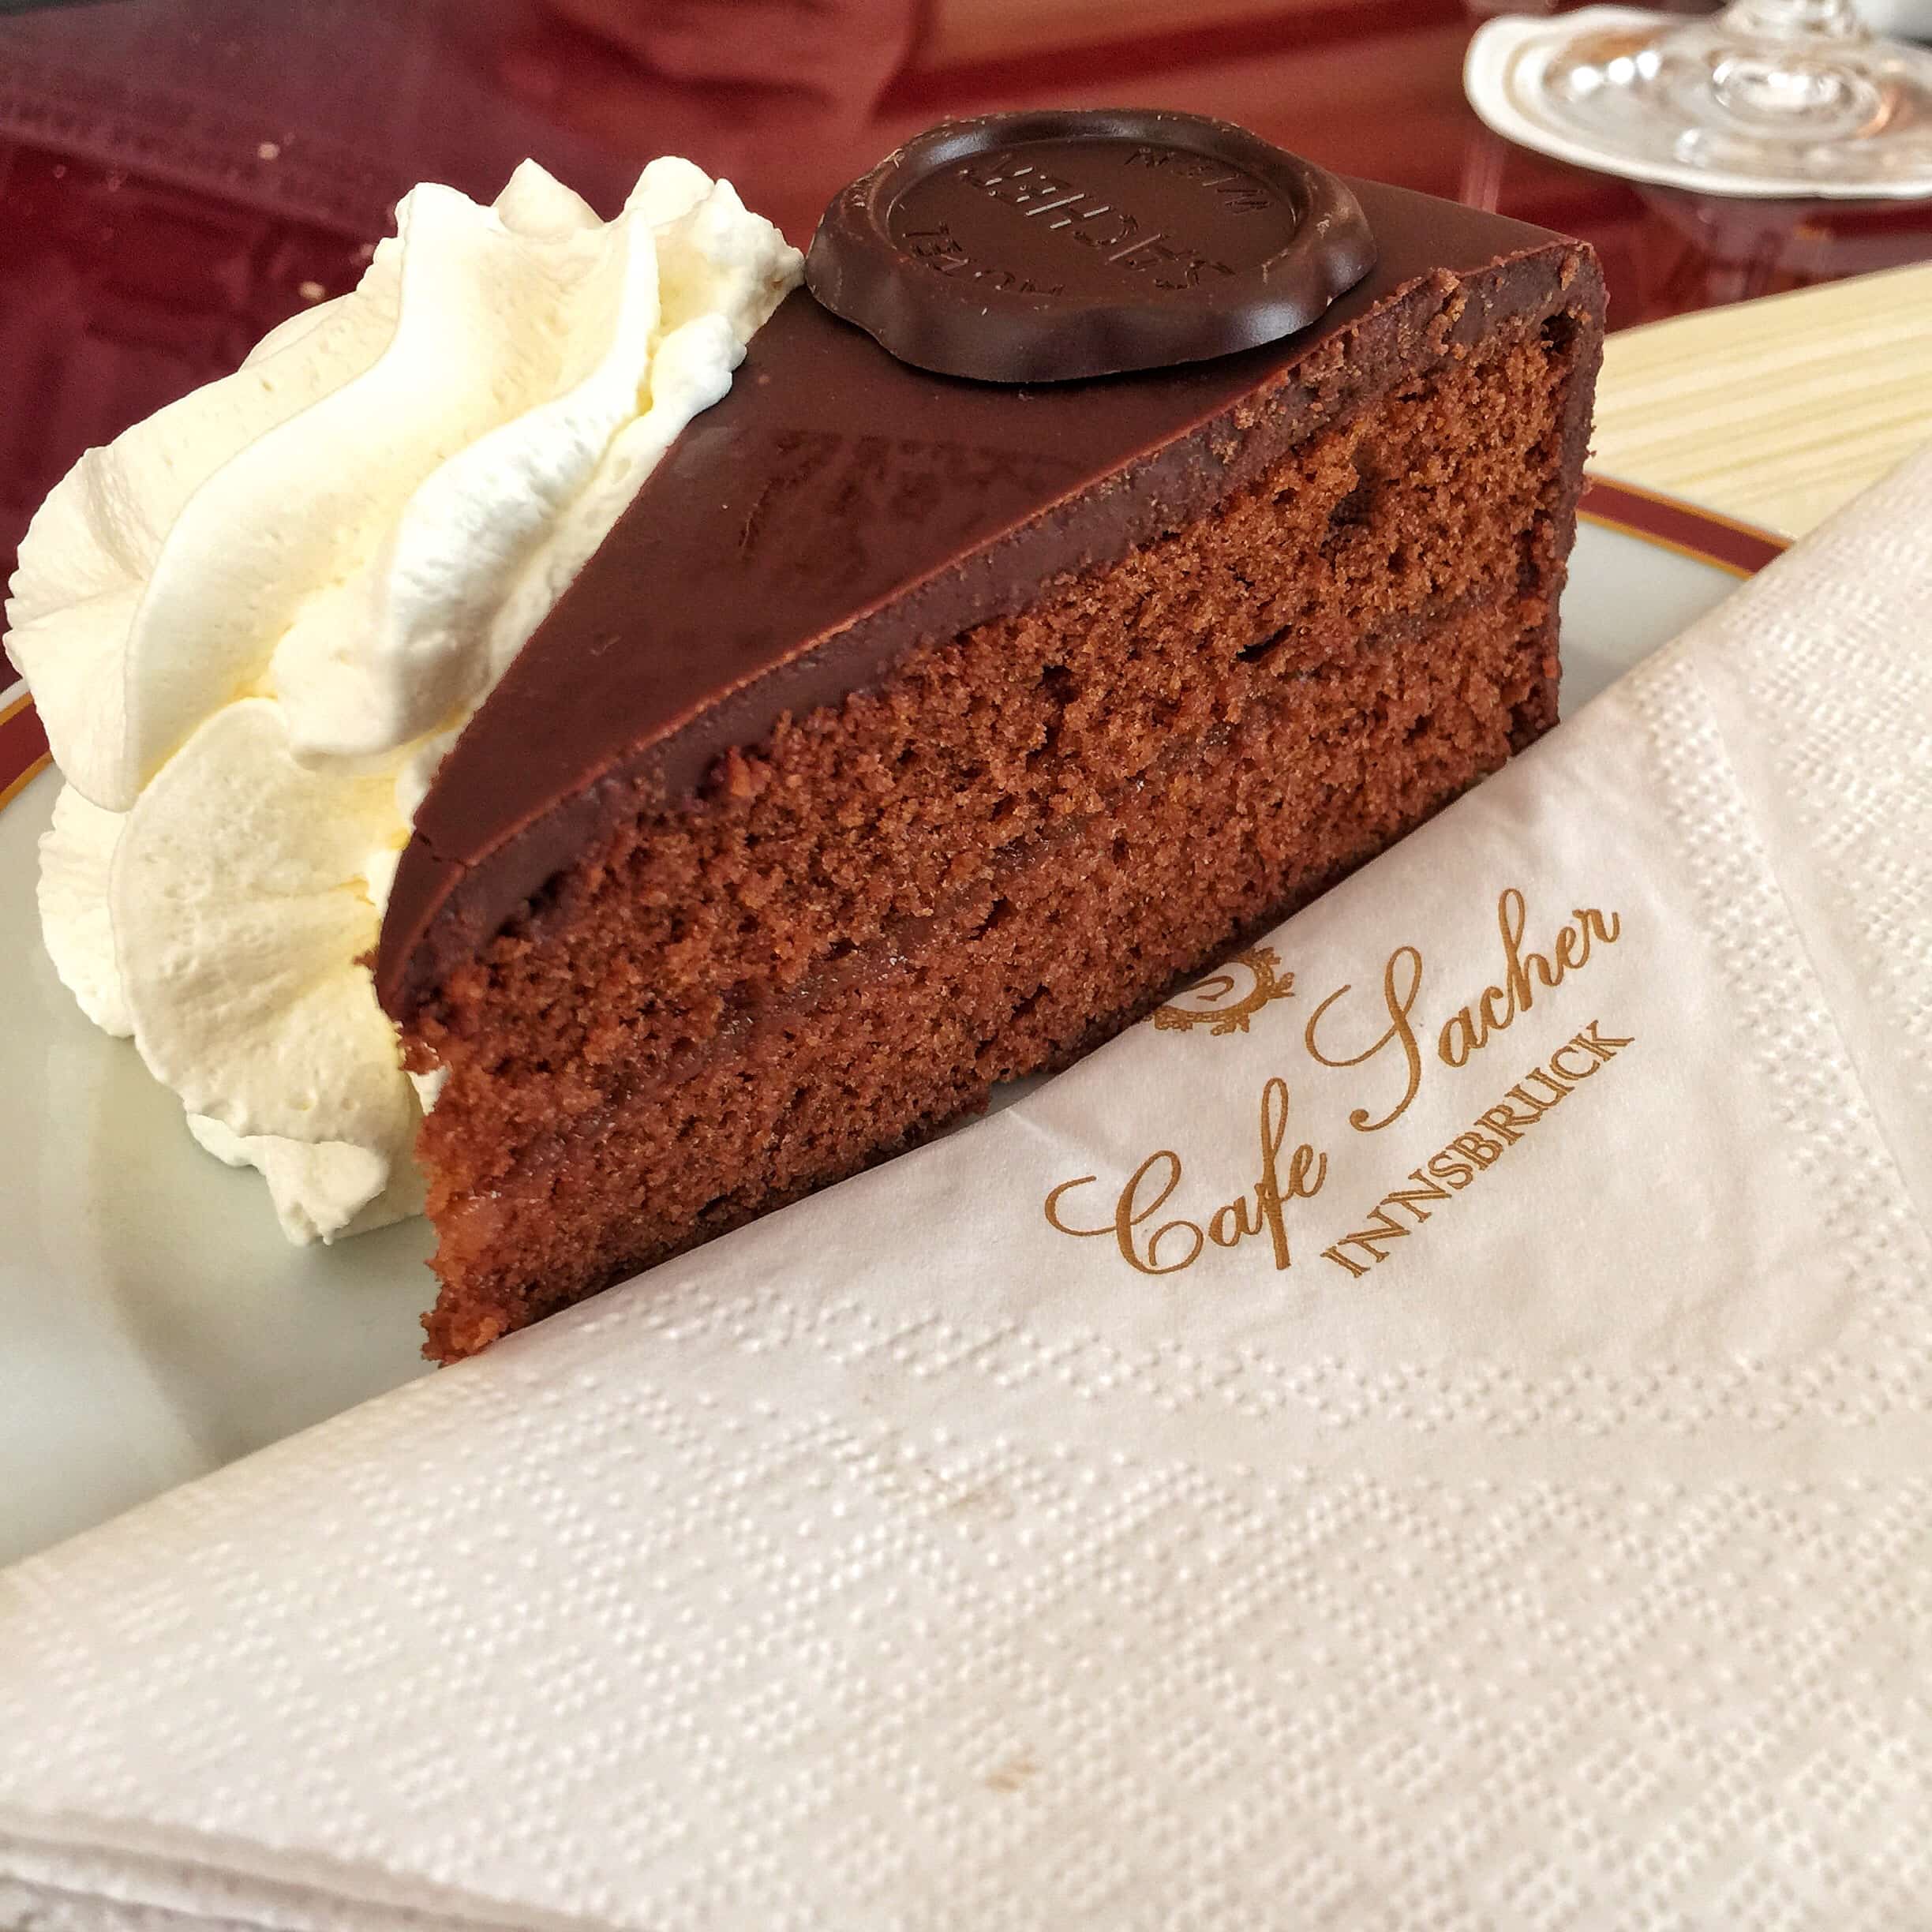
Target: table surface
x,y
176,176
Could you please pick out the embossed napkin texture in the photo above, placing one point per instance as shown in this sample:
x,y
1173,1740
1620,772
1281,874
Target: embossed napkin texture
x,y
1513,1510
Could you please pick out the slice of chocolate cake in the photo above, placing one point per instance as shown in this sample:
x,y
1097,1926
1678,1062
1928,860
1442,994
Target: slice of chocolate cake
x,y
915,731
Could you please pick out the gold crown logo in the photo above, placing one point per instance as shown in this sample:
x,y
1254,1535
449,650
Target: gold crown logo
x,y
1221,1003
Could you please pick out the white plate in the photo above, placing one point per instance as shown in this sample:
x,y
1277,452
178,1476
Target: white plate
x,y
154,1325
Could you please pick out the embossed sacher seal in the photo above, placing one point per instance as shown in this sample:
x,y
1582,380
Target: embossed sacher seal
x,y
1044,246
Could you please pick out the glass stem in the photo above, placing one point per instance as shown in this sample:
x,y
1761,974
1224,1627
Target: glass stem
x,y
1793,20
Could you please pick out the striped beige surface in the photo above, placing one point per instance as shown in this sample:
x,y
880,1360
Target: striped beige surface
x,y
1778,410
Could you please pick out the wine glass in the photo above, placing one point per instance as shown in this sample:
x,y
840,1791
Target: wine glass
x,y
1784,97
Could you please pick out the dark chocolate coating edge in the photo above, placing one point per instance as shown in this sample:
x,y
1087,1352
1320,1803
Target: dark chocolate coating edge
x,y
758,573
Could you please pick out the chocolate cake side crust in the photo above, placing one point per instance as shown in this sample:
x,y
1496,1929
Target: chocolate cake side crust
x,y
836,935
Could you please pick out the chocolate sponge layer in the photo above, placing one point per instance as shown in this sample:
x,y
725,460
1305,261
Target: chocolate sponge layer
x,y
769,956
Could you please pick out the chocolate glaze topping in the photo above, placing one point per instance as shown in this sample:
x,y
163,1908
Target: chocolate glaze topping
x,y
1040,247
838,505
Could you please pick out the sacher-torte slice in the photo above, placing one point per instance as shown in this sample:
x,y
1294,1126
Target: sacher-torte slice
x,y
960,682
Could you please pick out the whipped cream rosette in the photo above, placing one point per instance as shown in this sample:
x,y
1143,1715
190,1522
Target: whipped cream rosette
x,y
253,623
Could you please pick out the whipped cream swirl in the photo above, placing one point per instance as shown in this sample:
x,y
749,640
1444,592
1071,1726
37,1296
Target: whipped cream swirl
x,y
254,623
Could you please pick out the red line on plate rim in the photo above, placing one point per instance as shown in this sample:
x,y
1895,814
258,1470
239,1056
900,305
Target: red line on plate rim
x,y
23,748
1721,541
1742,549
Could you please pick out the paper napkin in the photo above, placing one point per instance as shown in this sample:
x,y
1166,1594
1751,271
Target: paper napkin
x,y
1434,1427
